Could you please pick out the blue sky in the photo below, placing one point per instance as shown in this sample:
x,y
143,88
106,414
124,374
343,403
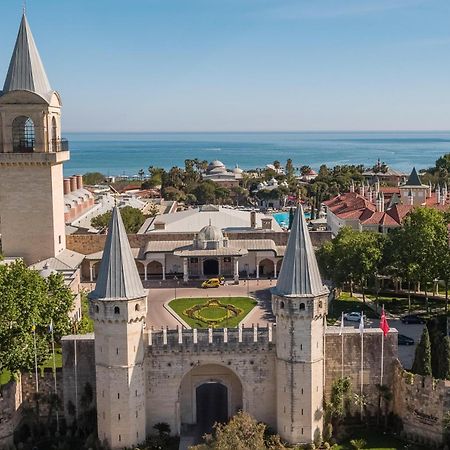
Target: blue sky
x,y
262,65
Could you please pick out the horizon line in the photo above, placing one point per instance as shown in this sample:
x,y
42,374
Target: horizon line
x,y
258,131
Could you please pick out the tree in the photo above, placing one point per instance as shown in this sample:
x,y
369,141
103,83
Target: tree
x,y
141,173
422,358
352,256
29,301
205,192
305,170
289,169
92,178
133,219
242,432
443,350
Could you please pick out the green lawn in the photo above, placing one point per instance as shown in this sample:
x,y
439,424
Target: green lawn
x,y
378,441
345,303
399,305
180,305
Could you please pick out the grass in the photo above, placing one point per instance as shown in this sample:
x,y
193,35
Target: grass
x,y
345,304
399,305
379,441
180,305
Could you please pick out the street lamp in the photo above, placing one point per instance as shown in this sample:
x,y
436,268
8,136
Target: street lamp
x,y
176,282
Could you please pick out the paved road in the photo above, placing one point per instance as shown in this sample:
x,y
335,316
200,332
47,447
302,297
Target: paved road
x,y
159,317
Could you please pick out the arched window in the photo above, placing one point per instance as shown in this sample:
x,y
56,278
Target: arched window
x,y
116,310
23,135
97,309
54,135
302,306
281,305
137,307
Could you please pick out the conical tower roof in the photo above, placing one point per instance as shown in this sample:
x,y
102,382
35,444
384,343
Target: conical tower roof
x,y
414,179
299,274
118,278
26,71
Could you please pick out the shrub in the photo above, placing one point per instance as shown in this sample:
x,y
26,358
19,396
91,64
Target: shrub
x,y
358,444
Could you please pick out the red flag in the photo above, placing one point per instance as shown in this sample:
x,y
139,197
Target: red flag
x,y
383,323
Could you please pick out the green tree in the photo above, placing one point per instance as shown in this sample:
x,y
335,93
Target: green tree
x,y
133,219
92,178
242,432
29,302
422,358
304,170
443,350
289,169
205,192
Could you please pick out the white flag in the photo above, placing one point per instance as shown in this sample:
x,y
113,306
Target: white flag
x,y
361,324
341,330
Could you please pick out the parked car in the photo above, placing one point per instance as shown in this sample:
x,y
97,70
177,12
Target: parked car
x,y
211,283
405,340
352,316
412,318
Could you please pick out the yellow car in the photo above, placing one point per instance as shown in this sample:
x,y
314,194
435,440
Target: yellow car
x,y
211,283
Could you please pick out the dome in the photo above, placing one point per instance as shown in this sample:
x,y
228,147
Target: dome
x,y
237,170
210,233
219,169
215,164
46,271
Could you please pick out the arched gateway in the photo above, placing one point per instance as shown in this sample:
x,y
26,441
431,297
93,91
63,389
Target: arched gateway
x,y
208,394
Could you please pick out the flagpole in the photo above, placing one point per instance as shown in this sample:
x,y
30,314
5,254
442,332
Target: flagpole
x,y
382,352
342,345
35,359
362,365
54,375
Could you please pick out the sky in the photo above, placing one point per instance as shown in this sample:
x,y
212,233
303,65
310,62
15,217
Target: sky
x,y
242,65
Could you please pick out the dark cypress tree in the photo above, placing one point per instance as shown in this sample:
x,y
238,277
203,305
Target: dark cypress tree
x,y
444,358
291,217
422,358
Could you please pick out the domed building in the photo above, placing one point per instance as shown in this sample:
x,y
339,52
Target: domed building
x,y
217,172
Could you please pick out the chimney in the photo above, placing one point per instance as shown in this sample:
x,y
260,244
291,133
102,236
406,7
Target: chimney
x,y
430,189
73,183
377,186
253,219
160,226
361,190
79,181
66,186
266,223
382,202
411,198
379,204
443,196
438,194
369,195
352,186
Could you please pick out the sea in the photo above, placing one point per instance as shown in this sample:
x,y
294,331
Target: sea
x,y
127,153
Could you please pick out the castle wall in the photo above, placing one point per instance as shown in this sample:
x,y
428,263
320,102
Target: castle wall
x,y
352,360
78,369
423,404
247,366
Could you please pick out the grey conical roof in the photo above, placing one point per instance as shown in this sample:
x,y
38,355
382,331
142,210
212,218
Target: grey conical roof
x,y
26,71
413,179
118,277
299,274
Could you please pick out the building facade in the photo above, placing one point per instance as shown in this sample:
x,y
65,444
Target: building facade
x,y
192,378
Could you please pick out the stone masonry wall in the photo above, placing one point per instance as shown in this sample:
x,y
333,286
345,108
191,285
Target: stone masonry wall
x,y
352,360
86,244
422,403
78,369
10,400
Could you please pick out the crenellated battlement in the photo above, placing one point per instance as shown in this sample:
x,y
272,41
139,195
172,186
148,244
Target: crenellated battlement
x,y
211,339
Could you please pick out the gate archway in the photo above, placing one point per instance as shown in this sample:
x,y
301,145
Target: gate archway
x,y
208,393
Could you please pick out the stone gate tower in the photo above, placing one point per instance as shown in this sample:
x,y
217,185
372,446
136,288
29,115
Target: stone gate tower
x,y
31,157
299,302
118,306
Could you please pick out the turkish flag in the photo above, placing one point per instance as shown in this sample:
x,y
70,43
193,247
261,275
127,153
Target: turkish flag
x,y
383,323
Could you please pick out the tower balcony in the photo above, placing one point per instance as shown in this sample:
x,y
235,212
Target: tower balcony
x,y
34,158
60,145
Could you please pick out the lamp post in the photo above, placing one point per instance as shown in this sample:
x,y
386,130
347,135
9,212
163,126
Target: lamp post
x,y
176,282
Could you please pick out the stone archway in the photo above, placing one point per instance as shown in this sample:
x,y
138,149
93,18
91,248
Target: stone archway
x,y
208,393
211,267
154,269
266,268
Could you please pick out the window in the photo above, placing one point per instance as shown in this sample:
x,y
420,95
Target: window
x,y
120,437
302,306
97,309
116,310
118,416
23,135
59,239
137,307
281,305
193,260
118,395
